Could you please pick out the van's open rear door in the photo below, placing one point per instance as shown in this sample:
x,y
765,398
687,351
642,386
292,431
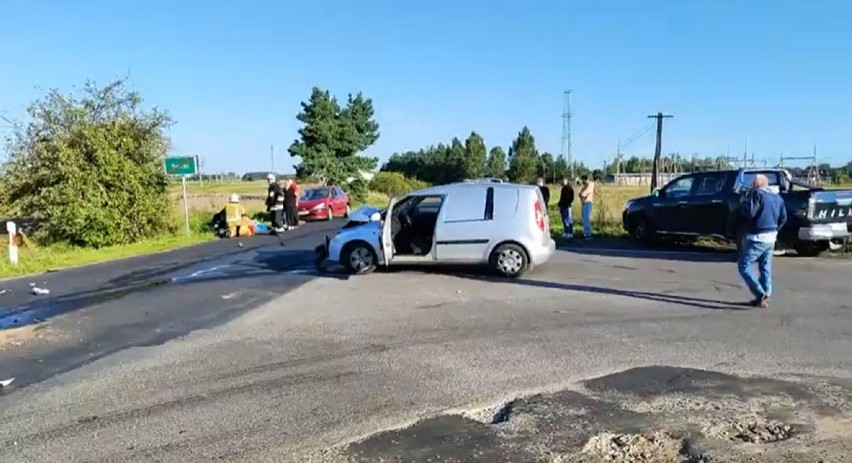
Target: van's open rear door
x,y
387,236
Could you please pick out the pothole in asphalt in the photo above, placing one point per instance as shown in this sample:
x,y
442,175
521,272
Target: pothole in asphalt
x,y
752,431
658,447
492,415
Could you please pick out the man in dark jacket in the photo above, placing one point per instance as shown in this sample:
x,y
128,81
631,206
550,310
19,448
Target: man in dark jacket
x,y
566,201
275,204
764,214
545,191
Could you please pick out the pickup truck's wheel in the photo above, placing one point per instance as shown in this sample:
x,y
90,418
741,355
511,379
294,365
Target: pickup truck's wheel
x,y
811,248
509,260
642,231
359,258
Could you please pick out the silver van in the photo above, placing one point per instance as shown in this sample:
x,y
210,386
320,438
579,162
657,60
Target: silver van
x,y
502,225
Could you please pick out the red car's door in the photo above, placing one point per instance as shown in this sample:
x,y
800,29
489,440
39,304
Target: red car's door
x,y
338,200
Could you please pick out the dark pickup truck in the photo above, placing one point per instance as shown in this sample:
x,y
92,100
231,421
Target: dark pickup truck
x,y
707,204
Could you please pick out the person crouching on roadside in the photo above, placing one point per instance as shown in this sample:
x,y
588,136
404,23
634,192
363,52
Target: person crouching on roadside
x,y
275,204
234,214
765,214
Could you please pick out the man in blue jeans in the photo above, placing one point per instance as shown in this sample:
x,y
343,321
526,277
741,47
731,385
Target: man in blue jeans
x,y
765,214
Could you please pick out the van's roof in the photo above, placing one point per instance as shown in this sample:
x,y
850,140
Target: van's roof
x,y
445,189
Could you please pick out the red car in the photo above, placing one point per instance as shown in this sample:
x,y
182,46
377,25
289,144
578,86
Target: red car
x,y
323,202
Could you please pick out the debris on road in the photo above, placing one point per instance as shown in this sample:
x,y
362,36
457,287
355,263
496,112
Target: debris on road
x,y
752,430
638,448
40,291
3,291
6,382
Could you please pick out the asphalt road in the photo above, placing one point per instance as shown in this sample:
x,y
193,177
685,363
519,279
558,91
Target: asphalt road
x,y
410,365
94,311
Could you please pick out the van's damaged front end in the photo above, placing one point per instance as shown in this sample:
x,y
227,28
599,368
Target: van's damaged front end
x,y
365,224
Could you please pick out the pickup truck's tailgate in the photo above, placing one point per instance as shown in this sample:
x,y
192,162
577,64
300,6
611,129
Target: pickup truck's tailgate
x,y
832,206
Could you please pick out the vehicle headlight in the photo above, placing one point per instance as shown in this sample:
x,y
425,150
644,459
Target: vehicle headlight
x,y
318,207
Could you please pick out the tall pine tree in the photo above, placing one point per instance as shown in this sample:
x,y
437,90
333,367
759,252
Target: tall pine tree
x,y
332,137
496,166
475,156
524,159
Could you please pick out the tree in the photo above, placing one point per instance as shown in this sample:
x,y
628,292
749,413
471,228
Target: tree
x,y
90,168
475,156
523,158
496,167
331,138
561,167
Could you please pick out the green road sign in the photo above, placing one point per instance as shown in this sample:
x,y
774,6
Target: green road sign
x,y
184,165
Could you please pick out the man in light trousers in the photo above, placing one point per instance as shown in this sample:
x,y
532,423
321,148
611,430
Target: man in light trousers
x,y
587,198
765,214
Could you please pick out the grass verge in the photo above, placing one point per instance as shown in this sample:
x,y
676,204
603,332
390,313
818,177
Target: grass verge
x,y
606,211
40,259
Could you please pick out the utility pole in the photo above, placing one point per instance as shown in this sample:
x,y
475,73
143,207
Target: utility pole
x,y
658,150
272,158
566,132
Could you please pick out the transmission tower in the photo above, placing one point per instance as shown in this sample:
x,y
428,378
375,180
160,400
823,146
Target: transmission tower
x,y
566,133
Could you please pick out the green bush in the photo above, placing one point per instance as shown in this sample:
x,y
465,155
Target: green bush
x,y
395,184
90,169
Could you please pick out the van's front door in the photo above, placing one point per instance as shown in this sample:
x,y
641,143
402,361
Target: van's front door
x,y
463,231
387,234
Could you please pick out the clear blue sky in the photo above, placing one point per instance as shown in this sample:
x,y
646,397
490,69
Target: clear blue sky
x,y
233,73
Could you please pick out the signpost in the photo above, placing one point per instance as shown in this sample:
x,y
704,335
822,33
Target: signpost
x,y
12,229
182,166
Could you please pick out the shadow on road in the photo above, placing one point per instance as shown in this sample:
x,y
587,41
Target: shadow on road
x,y
673,251
701,303
483,274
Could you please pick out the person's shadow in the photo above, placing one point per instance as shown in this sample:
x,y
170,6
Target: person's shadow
x,y
701,303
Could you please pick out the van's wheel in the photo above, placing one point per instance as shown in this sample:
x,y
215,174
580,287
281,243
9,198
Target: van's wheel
x,y
509,260
811,248
643,232
359,258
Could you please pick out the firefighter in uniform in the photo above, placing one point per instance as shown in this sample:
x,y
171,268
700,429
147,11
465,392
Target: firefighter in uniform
x,y
234,214
275,204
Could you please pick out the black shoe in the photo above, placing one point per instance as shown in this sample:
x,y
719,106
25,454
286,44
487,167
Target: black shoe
x,y
762,302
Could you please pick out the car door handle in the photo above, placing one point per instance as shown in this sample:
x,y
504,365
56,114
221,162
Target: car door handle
x,y
716,201
682,203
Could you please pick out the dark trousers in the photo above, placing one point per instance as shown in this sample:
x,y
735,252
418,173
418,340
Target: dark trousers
x,y
277,218
292,214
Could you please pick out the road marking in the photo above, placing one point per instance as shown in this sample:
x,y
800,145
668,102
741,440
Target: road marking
x,y
200,273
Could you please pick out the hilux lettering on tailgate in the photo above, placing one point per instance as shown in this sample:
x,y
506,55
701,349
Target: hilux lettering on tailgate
x,y
834,213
